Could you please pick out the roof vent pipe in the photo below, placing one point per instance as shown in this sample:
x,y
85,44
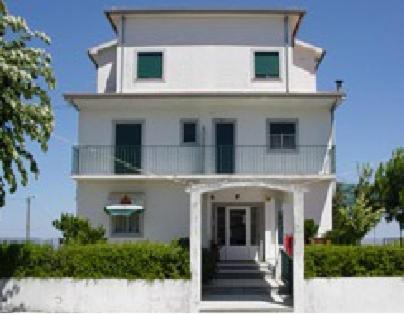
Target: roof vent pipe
x,y
339,85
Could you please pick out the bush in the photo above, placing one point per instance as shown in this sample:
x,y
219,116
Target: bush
x,y
126,261
76,230
353,261
310,230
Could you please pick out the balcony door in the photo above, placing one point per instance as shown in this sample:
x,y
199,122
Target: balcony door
x,y
128,148
225,147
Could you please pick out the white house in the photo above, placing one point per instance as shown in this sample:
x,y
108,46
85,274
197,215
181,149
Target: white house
x,y
207,124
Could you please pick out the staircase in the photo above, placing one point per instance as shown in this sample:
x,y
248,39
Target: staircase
x,y
241,286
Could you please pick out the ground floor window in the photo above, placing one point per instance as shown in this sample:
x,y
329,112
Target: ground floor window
x,y
122,224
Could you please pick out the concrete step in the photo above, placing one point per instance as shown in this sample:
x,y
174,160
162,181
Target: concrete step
x,y
241,283
243,306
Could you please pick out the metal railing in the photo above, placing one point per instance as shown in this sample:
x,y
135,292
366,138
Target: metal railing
x,y
194,160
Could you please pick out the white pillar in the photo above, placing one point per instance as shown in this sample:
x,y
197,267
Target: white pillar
x,y
270,231
195,249
298,251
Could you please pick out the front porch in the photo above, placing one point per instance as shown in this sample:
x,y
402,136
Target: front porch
x,y
246,222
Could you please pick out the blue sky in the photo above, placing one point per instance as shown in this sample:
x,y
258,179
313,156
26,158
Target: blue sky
x,y
364,48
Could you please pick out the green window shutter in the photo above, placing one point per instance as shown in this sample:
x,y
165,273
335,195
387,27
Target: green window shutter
x,y
150,65
267,64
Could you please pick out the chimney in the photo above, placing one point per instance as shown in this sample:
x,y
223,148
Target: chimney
x,y
339,85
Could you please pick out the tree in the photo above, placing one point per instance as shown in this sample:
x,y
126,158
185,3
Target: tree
x,y
26,76
310,230
389,188
77,230
355,211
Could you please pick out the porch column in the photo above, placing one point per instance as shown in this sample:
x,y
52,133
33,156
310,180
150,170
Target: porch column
x,y
298,251
195,248
270,231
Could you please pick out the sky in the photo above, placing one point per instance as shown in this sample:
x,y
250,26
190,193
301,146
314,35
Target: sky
x,y
364,47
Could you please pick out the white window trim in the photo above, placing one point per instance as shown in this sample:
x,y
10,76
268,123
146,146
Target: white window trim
x,y
127,235
294,121
163,70
189,120
252,64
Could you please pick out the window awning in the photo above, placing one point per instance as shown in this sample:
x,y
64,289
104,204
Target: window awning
x,y
125,204
125,210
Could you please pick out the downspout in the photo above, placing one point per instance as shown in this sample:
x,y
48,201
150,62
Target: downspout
x,y
122,41
287,45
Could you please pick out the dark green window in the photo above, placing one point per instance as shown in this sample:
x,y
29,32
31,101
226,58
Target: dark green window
x,y
189,132
266,64
150,65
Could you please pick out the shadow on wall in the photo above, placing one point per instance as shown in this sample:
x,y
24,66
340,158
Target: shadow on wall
x,y
8,293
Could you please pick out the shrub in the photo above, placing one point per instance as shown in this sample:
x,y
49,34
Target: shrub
x,y
353,261
76,230
310,230
127,261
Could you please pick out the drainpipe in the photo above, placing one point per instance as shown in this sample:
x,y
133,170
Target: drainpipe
x,y
287,45
122,41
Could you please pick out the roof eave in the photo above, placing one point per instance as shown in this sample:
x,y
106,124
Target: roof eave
x,y
108,13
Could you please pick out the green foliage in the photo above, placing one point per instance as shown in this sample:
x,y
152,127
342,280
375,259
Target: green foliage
x,y
353,261
76,230
125,261
310,230
389,186
354,222
25,112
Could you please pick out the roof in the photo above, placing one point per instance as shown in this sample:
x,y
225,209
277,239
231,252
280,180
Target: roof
x,y
75,98
110,13
93,51
318,51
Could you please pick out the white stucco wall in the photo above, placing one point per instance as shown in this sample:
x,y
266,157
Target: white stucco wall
x,y
166,215
94,296
339,295
162,119
208,53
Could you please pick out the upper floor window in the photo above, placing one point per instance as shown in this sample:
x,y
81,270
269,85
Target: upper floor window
x,y
266,64
282,134
189,132
150,65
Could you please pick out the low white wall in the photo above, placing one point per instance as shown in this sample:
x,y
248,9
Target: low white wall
x,y
370,294
104,295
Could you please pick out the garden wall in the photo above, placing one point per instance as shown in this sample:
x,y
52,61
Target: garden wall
x,y
101,295
354,294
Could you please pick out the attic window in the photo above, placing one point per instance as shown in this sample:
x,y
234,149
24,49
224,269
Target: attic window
x,y
266,64
150,65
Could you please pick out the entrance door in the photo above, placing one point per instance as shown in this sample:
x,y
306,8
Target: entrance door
x,y
224,147
237,234
128,148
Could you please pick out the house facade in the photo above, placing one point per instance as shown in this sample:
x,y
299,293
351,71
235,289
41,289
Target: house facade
x,y
207,124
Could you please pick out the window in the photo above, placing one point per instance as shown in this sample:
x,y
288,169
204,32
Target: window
x,y
189,132
150,65
282,135
122,224
266,64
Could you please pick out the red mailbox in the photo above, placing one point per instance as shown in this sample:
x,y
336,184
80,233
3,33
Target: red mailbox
x,y
288,244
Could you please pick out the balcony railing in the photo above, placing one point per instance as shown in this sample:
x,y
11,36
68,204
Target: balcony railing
x,y
202,160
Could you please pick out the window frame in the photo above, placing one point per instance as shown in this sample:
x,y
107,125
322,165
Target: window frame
x,y
127,234
294,121
184,121
136,61
280,60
